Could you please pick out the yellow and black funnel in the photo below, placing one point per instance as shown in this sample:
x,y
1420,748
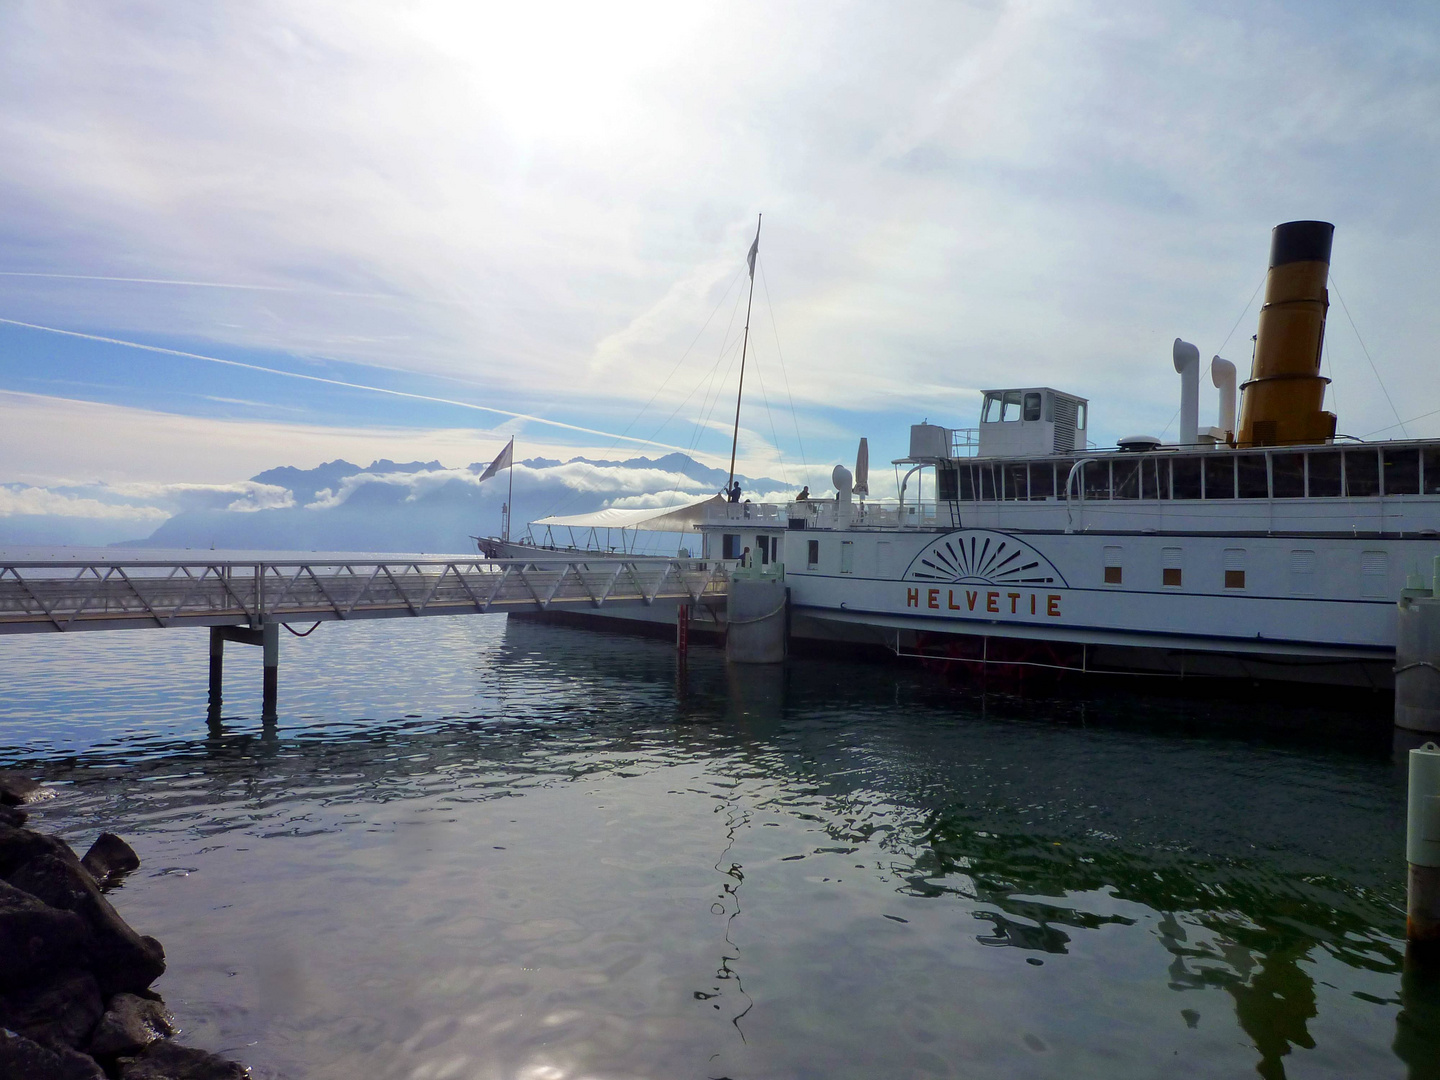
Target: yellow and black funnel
x,y
1280,404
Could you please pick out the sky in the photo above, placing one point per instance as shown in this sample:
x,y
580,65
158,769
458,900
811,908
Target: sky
x,y
234,237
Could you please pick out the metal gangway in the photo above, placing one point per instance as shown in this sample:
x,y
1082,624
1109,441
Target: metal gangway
x,y
248,602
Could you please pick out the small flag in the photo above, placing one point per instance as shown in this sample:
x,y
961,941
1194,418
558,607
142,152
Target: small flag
x,y
502,460
754,250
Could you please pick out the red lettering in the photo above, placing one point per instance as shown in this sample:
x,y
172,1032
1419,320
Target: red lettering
x,y
970,598
912,597
953,606
1032,603
1052,605
1014,598
934,598
992,602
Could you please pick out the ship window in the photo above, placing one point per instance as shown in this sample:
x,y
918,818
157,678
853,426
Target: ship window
x,y
1324,474
1011,411
763,543
1032,407
1170,567
947,484
987,483
812,554
1079,416
1250,472
1362,473
1185,477
1402,472
1042,480
1234,561
991,414
1113,573
847,557
967,484
1155,479
1096,482
1016,484
1127,479
1287,475
730,546
1432,471
1220,477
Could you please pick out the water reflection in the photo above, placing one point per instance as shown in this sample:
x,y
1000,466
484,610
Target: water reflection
x,y
861,825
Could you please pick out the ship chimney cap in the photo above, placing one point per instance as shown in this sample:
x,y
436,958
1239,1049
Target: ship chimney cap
x,y
1301,241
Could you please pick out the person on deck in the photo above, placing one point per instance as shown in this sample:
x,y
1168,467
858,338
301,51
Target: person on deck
x,y
745,559
733,492
804,494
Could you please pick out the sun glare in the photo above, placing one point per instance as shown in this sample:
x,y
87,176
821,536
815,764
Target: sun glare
x,y
562,71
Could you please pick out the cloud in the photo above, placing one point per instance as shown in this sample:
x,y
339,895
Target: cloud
x,y
550,202
18,499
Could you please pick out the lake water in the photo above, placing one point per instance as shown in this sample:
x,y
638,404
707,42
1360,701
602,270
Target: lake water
x,y
473,848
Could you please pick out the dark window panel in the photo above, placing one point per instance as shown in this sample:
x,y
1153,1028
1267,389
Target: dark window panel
x,y
1220,477
1042,479
1185,477
1250,474
1402,472
1324,474
1287,475
1362,473
1097,480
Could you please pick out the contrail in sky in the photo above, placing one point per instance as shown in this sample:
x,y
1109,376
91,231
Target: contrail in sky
x,y
220,285
341,382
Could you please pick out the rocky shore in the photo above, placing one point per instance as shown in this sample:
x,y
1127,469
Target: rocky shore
x,y
75,997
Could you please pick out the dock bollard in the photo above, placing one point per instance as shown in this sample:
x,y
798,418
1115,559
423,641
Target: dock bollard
x,y
1422,852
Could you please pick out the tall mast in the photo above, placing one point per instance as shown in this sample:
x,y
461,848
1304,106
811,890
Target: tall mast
x,y
735,439
510,498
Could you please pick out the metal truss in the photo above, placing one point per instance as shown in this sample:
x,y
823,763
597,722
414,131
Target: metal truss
x,y
61,596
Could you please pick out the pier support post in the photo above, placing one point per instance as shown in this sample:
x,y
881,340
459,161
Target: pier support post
x,y
217,666
270,646
682,628
1422,852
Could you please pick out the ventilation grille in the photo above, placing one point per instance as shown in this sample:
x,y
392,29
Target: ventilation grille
x,y
1064,426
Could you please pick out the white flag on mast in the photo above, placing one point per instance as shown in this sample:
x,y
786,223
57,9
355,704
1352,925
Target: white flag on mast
x,y
754,250
502,460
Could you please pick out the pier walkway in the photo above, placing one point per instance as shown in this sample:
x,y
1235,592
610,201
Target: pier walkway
x,y
247,602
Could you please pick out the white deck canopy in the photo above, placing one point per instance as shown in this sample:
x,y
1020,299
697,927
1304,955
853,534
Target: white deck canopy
x,y
671,519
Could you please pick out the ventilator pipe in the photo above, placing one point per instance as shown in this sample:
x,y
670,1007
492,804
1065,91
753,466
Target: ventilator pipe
x,y
841,478
1187,363
1422,852
1222,374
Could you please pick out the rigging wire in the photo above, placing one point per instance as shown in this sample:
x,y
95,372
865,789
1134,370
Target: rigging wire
x,y
556,508
1346,308
1245,312
795,418
780,458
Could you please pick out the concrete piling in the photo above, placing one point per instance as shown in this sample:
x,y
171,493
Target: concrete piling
x,y
1417,658
755,606
1422,852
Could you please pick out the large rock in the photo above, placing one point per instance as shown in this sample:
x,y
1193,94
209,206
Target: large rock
x,y
121,959
22,1059
12,816
131,1024
18,846
17,788
109,859
59,1013
166,1060
36,938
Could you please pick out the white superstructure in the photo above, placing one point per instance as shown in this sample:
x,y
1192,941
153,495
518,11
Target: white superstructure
x,y
1273,550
